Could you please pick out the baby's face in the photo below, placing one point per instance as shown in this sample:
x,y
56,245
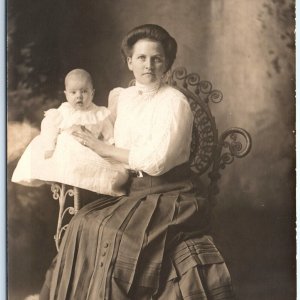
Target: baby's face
x,y
79,92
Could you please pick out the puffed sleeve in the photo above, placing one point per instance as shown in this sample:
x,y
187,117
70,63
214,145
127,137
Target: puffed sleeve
x,y
169,144
113,102
50,128
107,130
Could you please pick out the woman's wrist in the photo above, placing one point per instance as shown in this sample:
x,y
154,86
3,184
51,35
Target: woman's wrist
x,y
101,148
112,152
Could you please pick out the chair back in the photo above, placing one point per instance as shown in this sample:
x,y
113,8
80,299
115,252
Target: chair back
x,y
210,152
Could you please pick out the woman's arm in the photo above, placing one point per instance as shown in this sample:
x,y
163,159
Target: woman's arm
x,y
85,137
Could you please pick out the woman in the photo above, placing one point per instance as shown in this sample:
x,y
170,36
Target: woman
x,y
150,244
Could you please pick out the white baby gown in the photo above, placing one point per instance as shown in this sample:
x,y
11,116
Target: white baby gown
x,y
71,163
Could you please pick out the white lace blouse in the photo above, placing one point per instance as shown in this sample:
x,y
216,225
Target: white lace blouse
x,y
155,125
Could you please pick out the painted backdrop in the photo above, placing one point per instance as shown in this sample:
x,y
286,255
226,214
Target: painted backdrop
x,y
245,48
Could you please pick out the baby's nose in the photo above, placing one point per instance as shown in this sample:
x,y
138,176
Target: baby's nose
x,y
79,95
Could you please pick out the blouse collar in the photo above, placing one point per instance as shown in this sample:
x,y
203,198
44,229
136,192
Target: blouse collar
x,y
146,90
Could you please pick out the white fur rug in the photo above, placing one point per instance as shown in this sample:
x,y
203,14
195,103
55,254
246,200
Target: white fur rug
x,y
32,297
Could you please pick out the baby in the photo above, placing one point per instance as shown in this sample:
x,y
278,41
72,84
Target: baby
x,y
56,156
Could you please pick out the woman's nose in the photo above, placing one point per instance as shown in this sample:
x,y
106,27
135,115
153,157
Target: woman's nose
x,y
149,63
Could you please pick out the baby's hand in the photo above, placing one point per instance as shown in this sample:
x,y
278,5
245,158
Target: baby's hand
x,y
48,154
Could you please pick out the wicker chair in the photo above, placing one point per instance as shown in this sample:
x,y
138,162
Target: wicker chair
x,y
210,152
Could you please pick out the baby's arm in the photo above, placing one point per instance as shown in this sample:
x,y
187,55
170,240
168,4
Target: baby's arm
x,y
50,130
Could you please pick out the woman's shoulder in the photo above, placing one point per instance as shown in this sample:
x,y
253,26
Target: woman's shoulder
x,y
173,95
166,88
115,92
125,92
121,96
113,99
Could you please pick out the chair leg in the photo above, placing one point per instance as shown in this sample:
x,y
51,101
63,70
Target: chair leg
x,y
60,192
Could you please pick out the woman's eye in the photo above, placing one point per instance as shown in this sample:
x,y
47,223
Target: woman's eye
x,y
157,59
141,57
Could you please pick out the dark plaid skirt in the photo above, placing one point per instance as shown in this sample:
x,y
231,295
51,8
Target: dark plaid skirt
x,y
151,244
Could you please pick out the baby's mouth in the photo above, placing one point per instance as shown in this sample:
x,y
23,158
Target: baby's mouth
x,y
79,102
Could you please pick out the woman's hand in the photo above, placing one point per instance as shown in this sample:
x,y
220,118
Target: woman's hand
x,y
86,138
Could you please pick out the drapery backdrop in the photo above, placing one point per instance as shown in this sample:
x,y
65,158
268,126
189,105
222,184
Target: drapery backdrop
x,y
245,48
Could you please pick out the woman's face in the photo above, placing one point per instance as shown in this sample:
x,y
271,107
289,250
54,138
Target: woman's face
x,y
148,62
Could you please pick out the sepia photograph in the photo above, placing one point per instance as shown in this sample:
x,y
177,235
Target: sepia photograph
x,y
151,150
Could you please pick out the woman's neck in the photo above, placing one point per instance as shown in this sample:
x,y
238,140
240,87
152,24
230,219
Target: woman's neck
x,y
149,87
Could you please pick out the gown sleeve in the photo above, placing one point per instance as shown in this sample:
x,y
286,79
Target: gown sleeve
x,y
169,144
50,128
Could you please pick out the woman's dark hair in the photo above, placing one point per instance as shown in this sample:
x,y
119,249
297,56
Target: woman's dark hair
x,y
151,32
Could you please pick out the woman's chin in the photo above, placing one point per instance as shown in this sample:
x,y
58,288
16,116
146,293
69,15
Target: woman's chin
x,y
149,80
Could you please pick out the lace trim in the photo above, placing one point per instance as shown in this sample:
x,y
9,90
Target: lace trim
x,y
147,91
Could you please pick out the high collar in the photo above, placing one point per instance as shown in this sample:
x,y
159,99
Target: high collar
x,y
148,90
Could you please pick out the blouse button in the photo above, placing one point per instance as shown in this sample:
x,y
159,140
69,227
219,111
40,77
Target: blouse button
x,y
105,245
101,264
104,253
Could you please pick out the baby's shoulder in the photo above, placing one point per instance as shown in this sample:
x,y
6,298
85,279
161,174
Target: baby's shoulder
x,y
65,108
54,112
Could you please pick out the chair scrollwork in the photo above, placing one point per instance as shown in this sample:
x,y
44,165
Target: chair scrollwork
x,y
209,152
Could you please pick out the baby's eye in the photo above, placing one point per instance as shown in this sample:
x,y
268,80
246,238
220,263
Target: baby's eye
x,y
73,92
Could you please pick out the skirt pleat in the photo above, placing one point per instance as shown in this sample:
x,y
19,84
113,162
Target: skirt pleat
x,y
147,245
129,252
196,270
150,264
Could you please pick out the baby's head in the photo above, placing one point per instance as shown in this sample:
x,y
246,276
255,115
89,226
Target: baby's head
x,y
79,89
